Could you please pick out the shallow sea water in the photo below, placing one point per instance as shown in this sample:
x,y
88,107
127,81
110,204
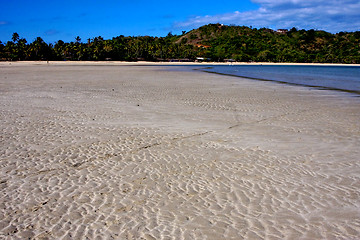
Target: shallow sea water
x,y
339,78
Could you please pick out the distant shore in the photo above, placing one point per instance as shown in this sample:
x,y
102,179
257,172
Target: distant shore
x,y
164,63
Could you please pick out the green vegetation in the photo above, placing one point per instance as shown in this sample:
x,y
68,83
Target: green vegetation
x,y
214,41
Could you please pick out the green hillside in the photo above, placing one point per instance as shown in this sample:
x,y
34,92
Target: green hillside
x,y
265,45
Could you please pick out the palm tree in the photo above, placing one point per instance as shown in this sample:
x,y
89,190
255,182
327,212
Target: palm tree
x,y
39,50
21,48
78,39
15,37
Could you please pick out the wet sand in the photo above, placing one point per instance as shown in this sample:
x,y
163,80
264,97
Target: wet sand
x,y
113,151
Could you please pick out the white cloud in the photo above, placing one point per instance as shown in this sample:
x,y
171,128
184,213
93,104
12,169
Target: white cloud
x,y
329,15
51,32
4,23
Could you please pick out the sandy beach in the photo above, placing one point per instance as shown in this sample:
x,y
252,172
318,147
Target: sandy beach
x,y
119,151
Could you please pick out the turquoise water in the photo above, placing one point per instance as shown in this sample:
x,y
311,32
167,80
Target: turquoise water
x,y
339,78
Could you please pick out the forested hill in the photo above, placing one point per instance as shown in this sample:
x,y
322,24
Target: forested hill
x,y
213,42
265,45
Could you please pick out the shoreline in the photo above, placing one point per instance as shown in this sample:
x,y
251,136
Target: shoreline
x,y
121,63
354,93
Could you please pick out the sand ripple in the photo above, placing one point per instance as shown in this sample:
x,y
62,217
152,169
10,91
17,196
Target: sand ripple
x,y
105,152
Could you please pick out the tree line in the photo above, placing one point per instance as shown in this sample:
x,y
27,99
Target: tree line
x,y
214,42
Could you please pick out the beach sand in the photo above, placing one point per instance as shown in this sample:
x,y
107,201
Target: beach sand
x,y
111,151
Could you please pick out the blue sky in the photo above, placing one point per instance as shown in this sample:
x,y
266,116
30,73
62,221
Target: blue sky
x,y
54,20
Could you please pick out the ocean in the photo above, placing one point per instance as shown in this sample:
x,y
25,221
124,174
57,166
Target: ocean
x,y
337,78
